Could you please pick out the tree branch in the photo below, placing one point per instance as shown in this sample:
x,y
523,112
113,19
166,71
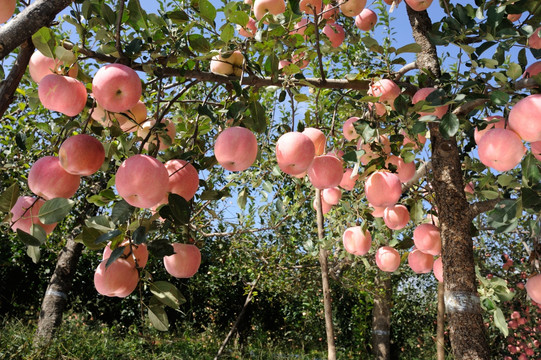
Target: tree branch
x,y
10,84
483,206
405,69
41,13
421,171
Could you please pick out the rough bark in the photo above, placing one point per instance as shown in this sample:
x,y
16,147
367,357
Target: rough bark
x,y
56,297
381,317
39,14
10,84
440,332
323,262
467,332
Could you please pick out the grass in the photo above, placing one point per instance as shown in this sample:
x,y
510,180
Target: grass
x,y
78,338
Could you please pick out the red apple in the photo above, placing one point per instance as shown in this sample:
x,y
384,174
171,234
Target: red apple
x,y
378,211
294,153
438,269
407,140
501,149
300,60
227,65
301,26
420,262
249,30
118,279
332,195
132,119
185,262
40,66
525,118
383,189
7,8
116,87
274,7
348,180
469,188
387,259
386,90
349,129
514,17
318,138
325,206
356,241
536,149
396,217
422,94
532,70
48,179
325,172
335,32
534,41
236,148
419,5
404,170
330,13
478,134
134,253
427,239
166,137
63,94
81,155
25,213
378,108
142,181
308,6
533,288
183,178
366,20
352,8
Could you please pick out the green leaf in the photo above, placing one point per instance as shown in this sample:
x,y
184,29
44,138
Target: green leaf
x,y
227,33
44,41
104,238
530,170
100,223
158,317
167,293
139,235
38,232
241,199
239,17
207,11
55,210
515,71
160,248
499,98
122,212
410,48
178,16
65,55
180,208
28,239
89,236
199,43
9,197
449,125
115,254
257,121
499,321
34,253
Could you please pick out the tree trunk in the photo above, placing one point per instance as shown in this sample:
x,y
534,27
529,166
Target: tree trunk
x,y
381,317
440,337
323,254
467,332
56,297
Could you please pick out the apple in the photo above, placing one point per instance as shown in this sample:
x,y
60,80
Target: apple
x,y
390,2
81,155
63,94
501,149
352,8
469,188
325,172
330,13
249,30
318,138
325,206
332,195
366,20
166,137
25,213
422,94
378,108
536,149
294,153
300,60
300,27
119,279
7,8
132,119
183,178
185,262
131,253
427,239
349,129
533,288
419,5
514,17
116,87
274,7
386,90
236,148
396,217
478,134
437,269
405,171
227,65
534,41
378,211
356,241
387,259
142,181
532,70
525,118
308,6
40,66
383,189
369,154
420,262
348,180
335,32
48,179
283,63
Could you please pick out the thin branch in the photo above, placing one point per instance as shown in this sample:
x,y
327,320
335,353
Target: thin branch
x,y
118,44
405,69
469,106
10,84
318,50
483,206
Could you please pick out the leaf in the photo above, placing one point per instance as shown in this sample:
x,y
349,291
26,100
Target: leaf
x,y
530,170
107,236
227,32
115,254
9,197
158,317
515,71
34,253
410,48
207,11
241,199
28,239
100,223
180,208
160,248
44,41
167,293
257,121
199,43
499,98
139,235
499,321
89,236
38,232
449,125
239,17
55,210
65,55
122,212
178,16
